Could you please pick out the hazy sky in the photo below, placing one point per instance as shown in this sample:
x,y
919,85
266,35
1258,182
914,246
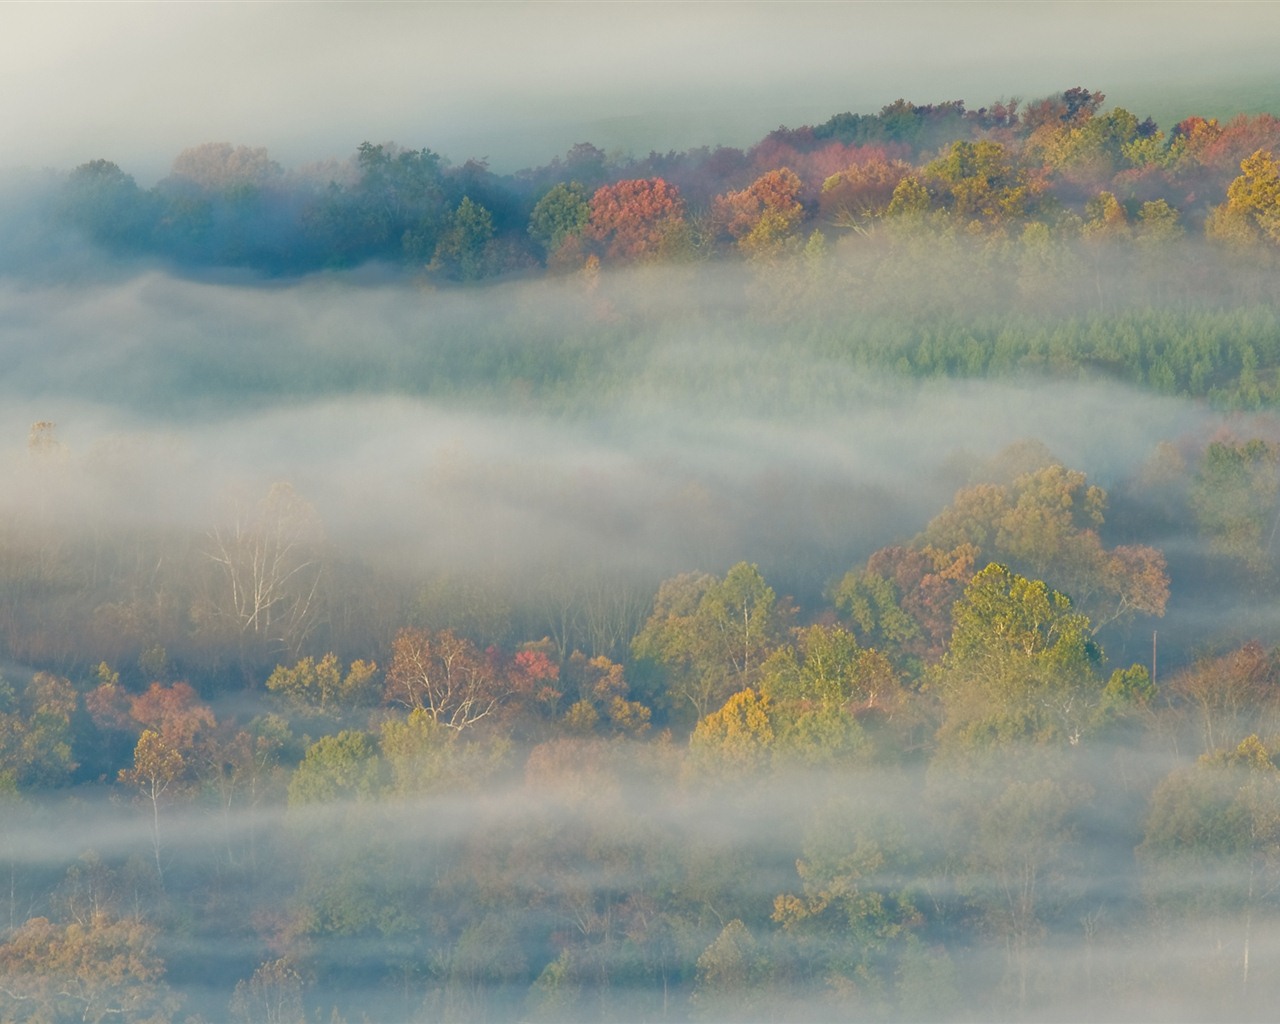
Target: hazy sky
x,y
520,82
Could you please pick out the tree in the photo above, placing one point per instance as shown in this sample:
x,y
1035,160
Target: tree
x,y
157,769
602,692
736,740
36,731
340,767
445,676
270,567
761,216
272,996
1253,199
424,756
821,688
1017,826
1045,524
732,976
1021,665
1235,497
321,688
175,713
855,910
463,249
562,213
633,220
221,167
861,192
103,969
104,203
1229,696
900,603
981,180
711,636
1218,822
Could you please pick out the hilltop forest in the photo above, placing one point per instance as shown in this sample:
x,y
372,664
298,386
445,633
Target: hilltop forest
x,y
832,580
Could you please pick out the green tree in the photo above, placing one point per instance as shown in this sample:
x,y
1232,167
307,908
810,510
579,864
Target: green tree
x,y
1235,497
562,213
1022,665
341,767
321,688
424,756
981,180
711,636
820,689
106,204
36,731
463,250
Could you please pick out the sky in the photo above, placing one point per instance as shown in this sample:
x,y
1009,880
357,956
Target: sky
x,y
519,83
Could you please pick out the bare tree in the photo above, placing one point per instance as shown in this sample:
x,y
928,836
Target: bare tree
x,y
271,569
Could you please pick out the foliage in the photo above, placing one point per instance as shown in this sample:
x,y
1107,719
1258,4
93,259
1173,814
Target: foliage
x,y
1021,665
102,969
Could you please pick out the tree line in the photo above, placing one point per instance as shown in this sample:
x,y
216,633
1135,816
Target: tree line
x,y
1054,171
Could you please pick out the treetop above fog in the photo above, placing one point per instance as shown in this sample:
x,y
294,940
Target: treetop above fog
x,y
1063,162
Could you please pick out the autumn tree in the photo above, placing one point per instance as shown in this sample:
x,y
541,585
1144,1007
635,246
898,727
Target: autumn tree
x,y
900,602
633,220
445,676
861,192
157,770
272,995
103,969
734,741
175,713
982,181
601,690
1228,697
761,216
1045,524
220,167
1252,210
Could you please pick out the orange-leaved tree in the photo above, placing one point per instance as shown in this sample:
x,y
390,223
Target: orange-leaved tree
x,y
635,219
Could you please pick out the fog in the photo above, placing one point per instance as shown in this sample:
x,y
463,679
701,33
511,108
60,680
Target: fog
x,y
679,451
520,83
548,436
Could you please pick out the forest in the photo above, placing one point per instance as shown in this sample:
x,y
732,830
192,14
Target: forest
x,y
832,580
